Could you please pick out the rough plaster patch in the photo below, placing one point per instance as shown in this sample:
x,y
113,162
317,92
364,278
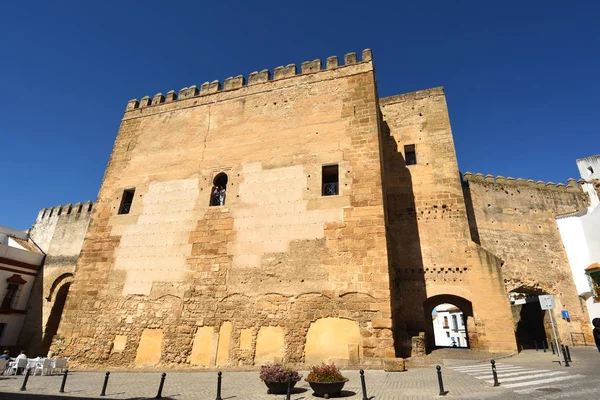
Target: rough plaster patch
x,y
329,338
273,213
119,343
246,339
150,348
270,345
202,348
223,347
155,249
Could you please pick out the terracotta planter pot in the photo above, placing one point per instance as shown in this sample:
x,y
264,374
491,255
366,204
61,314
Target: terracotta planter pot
x,y
278,387
327,389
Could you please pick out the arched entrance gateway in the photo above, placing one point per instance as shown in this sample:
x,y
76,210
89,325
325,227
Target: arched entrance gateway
x,y
57,297
448,320
530,320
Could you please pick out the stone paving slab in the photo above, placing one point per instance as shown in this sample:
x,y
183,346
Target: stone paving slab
x,y
415,384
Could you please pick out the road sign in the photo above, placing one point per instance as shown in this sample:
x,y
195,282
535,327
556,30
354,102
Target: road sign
x,y
565,314
547,302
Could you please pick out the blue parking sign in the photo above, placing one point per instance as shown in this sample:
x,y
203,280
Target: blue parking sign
x,y
565,314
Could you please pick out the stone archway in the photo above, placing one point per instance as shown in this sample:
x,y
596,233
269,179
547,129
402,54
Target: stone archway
x,y
56,302
465,307
58,282
532,324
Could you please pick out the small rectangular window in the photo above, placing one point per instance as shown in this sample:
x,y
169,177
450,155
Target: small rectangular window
x,y
330,180
126,201
10,296
410,154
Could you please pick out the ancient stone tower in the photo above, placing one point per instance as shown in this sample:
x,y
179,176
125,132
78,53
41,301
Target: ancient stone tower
x,y
295,217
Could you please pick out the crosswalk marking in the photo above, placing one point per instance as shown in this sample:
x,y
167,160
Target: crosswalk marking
x,y
542,381
468,367
528,376
487,367
519,373
520,378
489,371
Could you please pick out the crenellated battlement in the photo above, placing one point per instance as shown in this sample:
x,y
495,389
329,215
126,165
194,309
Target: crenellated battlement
x,y
233,83
572,185
67,209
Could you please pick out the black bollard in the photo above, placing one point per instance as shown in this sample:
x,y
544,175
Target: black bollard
x,y
536,346
568,353
364,386
552,347
219,386
544,345
289,386
64,381
495,373
564,352
440,381
103,393
160,387
24,387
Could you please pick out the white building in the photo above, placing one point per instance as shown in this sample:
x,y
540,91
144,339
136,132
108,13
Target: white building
x,y
449,326
580,232
20,261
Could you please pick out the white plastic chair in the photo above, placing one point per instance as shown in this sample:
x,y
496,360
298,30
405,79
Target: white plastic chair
x,y
59,365
43,366
31,365
14,366
52,366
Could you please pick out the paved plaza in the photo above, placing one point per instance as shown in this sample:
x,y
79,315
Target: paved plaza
x,y
529,375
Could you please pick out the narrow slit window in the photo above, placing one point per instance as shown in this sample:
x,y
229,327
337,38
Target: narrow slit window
x,y
330,177
10,296
219,190
410,154
126,201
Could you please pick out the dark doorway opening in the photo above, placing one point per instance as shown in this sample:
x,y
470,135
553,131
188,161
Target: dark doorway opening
x,y
54,318
530,328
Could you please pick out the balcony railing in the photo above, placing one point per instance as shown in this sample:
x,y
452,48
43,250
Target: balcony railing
x,y
330,189
125,208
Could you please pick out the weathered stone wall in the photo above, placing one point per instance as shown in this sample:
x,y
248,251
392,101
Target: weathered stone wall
x,y
515,219
275,270
59,231
434,259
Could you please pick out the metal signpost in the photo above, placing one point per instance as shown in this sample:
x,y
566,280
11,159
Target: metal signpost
x,y
547,303
566,316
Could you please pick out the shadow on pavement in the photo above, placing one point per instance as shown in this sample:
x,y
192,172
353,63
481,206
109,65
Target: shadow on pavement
x,y
27,396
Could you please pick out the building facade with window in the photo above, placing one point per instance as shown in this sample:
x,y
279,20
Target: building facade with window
x,y
449,326
20,263
299,217
580,232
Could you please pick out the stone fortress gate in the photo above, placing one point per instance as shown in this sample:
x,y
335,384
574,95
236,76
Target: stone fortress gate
x,y
292,217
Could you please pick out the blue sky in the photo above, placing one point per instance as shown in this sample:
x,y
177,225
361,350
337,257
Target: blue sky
x,y
521,78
